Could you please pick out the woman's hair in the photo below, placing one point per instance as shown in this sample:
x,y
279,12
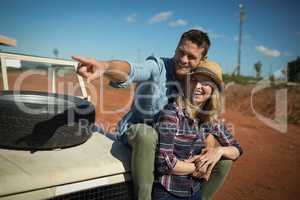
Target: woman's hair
x,y
208,113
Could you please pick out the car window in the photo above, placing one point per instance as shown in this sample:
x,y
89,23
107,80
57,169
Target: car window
x,y
41,76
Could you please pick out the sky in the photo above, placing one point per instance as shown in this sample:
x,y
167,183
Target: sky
x,y
135,29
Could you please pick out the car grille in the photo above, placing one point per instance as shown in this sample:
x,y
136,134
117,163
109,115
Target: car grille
x,y
120,191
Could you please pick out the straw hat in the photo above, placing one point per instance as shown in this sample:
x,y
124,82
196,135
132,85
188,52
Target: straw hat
x,y
210,69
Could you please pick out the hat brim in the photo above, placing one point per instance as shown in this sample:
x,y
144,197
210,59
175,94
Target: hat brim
x,y
208,73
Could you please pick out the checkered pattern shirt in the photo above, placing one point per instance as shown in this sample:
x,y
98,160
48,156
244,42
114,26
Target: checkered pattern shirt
x,y
180,138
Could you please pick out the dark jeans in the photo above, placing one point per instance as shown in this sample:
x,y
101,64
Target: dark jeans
x,y
160,193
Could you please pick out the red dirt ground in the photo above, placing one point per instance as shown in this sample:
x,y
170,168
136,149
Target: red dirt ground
x,y
270,166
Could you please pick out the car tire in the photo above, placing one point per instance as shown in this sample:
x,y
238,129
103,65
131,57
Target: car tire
x,y
44,121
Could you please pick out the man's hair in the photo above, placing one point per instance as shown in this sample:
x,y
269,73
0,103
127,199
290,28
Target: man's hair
x,y
198,37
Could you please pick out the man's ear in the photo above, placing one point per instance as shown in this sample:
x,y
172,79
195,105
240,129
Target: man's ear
x,y
204,58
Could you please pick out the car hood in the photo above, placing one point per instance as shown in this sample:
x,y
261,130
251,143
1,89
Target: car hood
x,y
22,171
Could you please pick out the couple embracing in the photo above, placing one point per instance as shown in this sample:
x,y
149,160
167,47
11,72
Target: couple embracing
x,y
173,122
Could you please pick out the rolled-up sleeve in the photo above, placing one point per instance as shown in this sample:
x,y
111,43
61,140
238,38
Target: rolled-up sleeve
x,y
141,72
166,128
224,137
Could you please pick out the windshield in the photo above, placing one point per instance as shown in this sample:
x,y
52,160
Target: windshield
x,y
33,73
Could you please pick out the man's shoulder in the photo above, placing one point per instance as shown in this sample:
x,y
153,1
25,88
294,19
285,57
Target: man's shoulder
x,y
171,107
160,60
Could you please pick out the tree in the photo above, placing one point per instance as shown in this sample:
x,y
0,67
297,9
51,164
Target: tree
x,y
55,52
257,67
293,70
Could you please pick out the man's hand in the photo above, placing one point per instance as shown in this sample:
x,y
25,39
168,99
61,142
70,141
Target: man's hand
x,y
205,162
198,173
90,69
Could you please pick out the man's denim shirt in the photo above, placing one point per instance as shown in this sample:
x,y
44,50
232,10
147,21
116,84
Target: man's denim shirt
x,y
156,84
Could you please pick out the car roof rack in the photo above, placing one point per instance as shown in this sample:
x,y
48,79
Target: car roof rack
x,y
7,41
4,56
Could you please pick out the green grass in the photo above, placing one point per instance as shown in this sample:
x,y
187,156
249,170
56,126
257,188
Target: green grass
x,y
239,79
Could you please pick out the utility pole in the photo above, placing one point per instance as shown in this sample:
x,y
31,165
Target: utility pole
x,y
242,14
138,58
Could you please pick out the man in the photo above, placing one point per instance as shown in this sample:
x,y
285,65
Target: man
x,y
157,82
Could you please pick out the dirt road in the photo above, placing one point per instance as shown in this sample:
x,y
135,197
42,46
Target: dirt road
x,y
270,166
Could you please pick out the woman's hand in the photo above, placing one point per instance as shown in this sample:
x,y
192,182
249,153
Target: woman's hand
x,y
205,162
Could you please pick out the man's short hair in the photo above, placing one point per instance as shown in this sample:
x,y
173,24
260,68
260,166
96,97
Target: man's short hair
x,y
198,37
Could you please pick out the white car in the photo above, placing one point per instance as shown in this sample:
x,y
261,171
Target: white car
x,y
95,169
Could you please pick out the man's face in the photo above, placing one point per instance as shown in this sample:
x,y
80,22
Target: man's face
x,y
187,56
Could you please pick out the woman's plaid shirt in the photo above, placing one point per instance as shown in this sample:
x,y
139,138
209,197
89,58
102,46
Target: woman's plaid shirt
x,y
180,138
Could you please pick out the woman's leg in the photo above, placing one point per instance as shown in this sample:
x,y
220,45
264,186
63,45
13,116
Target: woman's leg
x,y
216,179
160,193
196,196
143,140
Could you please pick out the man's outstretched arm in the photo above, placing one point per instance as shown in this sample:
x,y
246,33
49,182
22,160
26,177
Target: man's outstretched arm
x,y
91,69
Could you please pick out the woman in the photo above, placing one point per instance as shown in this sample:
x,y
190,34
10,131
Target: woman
x,y
183,127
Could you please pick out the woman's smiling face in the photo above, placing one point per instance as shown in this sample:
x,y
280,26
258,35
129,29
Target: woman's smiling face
x,y
200,90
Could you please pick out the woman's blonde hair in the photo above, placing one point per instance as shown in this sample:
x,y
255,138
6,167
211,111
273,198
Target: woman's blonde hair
x,y
208,113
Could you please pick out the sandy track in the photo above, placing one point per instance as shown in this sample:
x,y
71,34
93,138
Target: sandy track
x,y
270,166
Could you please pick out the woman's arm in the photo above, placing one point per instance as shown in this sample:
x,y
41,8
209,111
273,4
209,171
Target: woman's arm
x,y
213,155
230,149
183,168
166,161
